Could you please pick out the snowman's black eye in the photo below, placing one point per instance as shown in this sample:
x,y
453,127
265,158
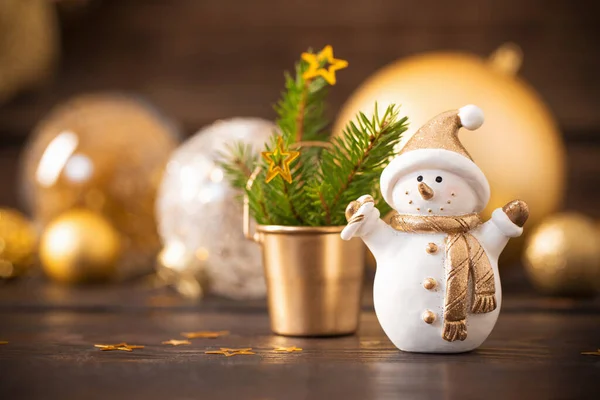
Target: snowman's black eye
x,y
419,178
438,179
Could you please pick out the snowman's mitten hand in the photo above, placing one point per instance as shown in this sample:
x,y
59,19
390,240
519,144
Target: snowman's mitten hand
x,y
371,218
356,204
362,221
517,211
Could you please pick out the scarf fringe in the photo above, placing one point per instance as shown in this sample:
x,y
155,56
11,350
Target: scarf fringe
x,y
454,330
483,303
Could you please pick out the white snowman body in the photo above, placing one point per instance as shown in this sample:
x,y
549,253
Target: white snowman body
x,y
400,296
410,282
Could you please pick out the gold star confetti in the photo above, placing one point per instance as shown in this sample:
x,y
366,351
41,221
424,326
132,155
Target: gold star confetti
x,y
370,342
591,353
287,349
204,334
282,166
119,346
227,352
314,65
3,342
176,342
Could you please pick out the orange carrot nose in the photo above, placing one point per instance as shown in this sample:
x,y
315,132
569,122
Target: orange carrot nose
x,y
425,191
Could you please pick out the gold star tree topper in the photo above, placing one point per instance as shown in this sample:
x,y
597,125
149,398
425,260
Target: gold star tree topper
x,y
316,60
279,161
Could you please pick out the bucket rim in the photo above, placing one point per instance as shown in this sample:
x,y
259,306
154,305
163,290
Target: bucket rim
x,y
283,229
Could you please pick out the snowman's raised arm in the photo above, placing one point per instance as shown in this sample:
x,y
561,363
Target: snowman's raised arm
x,y
379,237
364,222
361,215
506,222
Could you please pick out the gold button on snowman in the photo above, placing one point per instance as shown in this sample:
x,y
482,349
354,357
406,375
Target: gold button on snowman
x,y
429,283
428,317
438,193
431,248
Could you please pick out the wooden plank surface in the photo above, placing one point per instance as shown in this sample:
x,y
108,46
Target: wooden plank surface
x,y
532,354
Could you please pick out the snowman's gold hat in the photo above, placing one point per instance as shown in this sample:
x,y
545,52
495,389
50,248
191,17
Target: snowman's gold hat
x,y
436,146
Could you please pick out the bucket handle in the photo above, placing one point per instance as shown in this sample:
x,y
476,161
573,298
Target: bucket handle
x,y
254,236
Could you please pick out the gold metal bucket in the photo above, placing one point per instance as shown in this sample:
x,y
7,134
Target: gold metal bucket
x,y
314,278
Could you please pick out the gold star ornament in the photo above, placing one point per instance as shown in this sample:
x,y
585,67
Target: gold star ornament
x,y
204,334
287,349
591,353
232,352
175,342
315,61
279,162
119,346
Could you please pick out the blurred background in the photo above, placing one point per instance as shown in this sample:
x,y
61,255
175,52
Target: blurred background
x,y
194,62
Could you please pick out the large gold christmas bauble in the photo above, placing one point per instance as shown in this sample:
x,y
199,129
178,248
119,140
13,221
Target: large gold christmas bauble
x,y
17,243
562,256
79,247
105,153
28,44
519,147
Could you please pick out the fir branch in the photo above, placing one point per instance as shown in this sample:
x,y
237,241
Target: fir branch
x,y
300,116
297,216
325,208
257,204
352,166
355,169
237,162
301,109
324,180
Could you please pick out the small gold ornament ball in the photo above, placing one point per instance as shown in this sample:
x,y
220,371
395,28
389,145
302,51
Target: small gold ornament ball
x,y
562,256
519,133
78,247
17,243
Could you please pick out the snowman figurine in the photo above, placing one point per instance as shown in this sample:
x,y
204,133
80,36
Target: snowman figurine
x,y
437,287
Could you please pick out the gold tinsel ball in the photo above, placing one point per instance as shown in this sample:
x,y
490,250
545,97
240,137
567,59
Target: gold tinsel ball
x,y
29,44
104,152
562,256
518,141
17,243
78,247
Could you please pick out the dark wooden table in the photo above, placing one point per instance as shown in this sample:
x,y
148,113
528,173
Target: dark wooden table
x,y
534,352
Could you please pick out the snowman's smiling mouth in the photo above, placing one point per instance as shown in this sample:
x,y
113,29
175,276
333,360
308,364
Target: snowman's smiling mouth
x,y
433,192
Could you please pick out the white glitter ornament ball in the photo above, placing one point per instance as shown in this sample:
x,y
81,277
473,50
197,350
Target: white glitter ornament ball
x,y
199,217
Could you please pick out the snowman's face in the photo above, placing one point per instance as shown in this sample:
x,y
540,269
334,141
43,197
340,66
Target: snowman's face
x,y
434,192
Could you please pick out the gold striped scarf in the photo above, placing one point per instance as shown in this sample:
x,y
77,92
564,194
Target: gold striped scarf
x,y
465,258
